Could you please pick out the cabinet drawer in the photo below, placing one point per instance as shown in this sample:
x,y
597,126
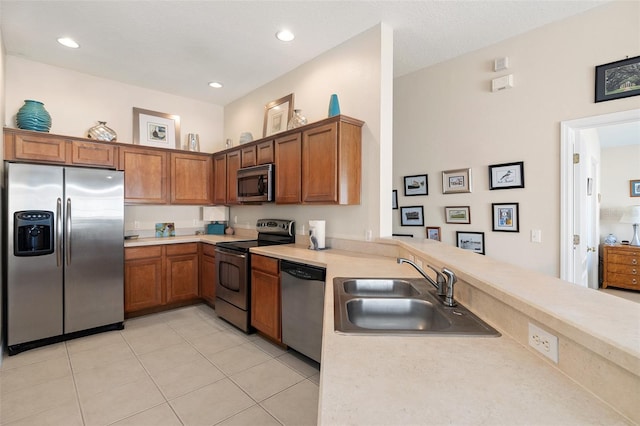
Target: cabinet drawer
x,y
614,279
623,259
266,264
623,269
626,251
208,250
131,253
179,249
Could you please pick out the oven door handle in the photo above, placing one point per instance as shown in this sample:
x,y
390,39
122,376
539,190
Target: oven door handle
x,y
228,253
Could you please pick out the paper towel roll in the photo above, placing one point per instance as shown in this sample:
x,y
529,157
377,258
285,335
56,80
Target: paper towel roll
x,y
317,228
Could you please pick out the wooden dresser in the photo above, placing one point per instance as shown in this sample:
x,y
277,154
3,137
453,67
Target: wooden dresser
x,y
620,266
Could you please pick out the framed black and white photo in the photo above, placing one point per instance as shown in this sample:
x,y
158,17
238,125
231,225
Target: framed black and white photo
x,y
473,241
394,199
506,176
457,214
433,233
416,185
506,217
455,181
277,115
412,216
152,128
618,79
634,188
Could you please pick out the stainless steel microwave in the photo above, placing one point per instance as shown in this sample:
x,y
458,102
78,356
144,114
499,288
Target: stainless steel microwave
x,y
255,184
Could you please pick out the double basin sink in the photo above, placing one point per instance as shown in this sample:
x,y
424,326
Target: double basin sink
x,y
400,306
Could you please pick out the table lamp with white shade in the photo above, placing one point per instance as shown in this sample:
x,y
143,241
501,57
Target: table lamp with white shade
x,y
218,216
632,215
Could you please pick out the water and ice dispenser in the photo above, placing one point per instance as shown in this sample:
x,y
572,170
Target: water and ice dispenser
x,y
33,233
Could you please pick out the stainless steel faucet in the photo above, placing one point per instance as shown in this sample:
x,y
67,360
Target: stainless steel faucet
x,y
444,284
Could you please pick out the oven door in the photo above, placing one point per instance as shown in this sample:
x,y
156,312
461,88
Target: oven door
x,y
232,278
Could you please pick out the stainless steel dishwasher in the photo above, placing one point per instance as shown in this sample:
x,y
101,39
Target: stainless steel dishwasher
x,y
302,307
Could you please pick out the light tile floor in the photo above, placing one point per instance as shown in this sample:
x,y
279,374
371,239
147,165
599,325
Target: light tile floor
x,y
181,367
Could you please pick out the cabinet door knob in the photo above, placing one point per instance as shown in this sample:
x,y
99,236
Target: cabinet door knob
x,y
634,261
634,271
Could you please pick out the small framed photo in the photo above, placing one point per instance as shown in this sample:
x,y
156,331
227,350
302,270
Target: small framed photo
x,y
416,185
152,128
457,214
634,188
394,199
473,241
277,115
455,181
505,217
412,216
506,176
618,79
433,233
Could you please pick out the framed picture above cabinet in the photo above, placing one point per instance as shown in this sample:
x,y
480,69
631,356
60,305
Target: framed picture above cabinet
x,y
157,129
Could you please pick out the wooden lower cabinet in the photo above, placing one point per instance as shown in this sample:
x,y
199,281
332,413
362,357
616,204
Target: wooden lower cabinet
x,y
265,296
620,266
208,273
143,282
160,277
182,272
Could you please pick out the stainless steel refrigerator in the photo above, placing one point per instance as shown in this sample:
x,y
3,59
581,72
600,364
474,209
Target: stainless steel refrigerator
x,y
64,251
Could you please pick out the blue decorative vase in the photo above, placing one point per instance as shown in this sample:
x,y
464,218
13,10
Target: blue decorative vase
x,y
33,116
334,106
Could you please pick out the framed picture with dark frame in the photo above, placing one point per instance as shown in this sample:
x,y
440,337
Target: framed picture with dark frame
x,y
619,79
412,216
416,185
473,241
457,214
634,188
157,129
455,181
506,176
277,115
394,199
433,233
506,217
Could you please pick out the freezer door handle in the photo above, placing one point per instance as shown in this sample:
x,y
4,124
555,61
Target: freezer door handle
x,y
59,233
67,242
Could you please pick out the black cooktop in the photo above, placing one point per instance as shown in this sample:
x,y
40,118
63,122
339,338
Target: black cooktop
x,y
274,231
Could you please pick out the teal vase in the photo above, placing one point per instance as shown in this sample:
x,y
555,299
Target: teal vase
x,y
33,116
334,106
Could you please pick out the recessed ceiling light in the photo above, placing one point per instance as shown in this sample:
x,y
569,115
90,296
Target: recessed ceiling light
x,y
285,35
69,42
215,84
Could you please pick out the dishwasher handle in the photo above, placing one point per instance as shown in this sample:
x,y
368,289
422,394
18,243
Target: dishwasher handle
x,y
302,271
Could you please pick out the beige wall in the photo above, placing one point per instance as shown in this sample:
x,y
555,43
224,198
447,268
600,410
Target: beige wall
x,y
2,102
353,71
77,101
618,165
446,117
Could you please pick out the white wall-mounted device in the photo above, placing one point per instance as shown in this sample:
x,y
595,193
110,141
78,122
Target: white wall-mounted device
x,y
501,83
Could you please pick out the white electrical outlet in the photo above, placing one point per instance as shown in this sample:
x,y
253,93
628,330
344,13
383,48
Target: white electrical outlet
x,y
543,342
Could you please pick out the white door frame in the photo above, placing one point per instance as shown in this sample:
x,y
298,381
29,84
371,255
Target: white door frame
x,y
569,130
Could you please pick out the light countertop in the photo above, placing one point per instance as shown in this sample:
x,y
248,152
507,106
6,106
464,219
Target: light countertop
x,y
202,238
369,380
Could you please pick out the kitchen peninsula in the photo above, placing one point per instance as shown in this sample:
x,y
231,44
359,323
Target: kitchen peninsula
x,y
465,380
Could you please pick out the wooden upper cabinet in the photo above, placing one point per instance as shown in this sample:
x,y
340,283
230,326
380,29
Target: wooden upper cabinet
x,y
145,175
220,179
331,163
94,154
288,173
248,157
191,178
38,147
264,152
233,164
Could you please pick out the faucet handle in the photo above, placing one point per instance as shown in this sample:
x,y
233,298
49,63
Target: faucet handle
x,y
442,281
441,278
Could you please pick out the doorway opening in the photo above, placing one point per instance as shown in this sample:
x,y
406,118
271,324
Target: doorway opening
x,y
579,196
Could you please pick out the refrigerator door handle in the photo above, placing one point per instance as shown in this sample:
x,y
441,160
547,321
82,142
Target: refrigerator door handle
x,y
59,233
67,242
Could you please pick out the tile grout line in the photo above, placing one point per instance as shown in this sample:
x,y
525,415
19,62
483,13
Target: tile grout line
x,y
75,384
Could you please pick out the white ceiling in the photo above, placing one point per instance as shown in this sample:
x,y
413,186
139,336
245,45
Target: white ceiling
x,y
179,46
